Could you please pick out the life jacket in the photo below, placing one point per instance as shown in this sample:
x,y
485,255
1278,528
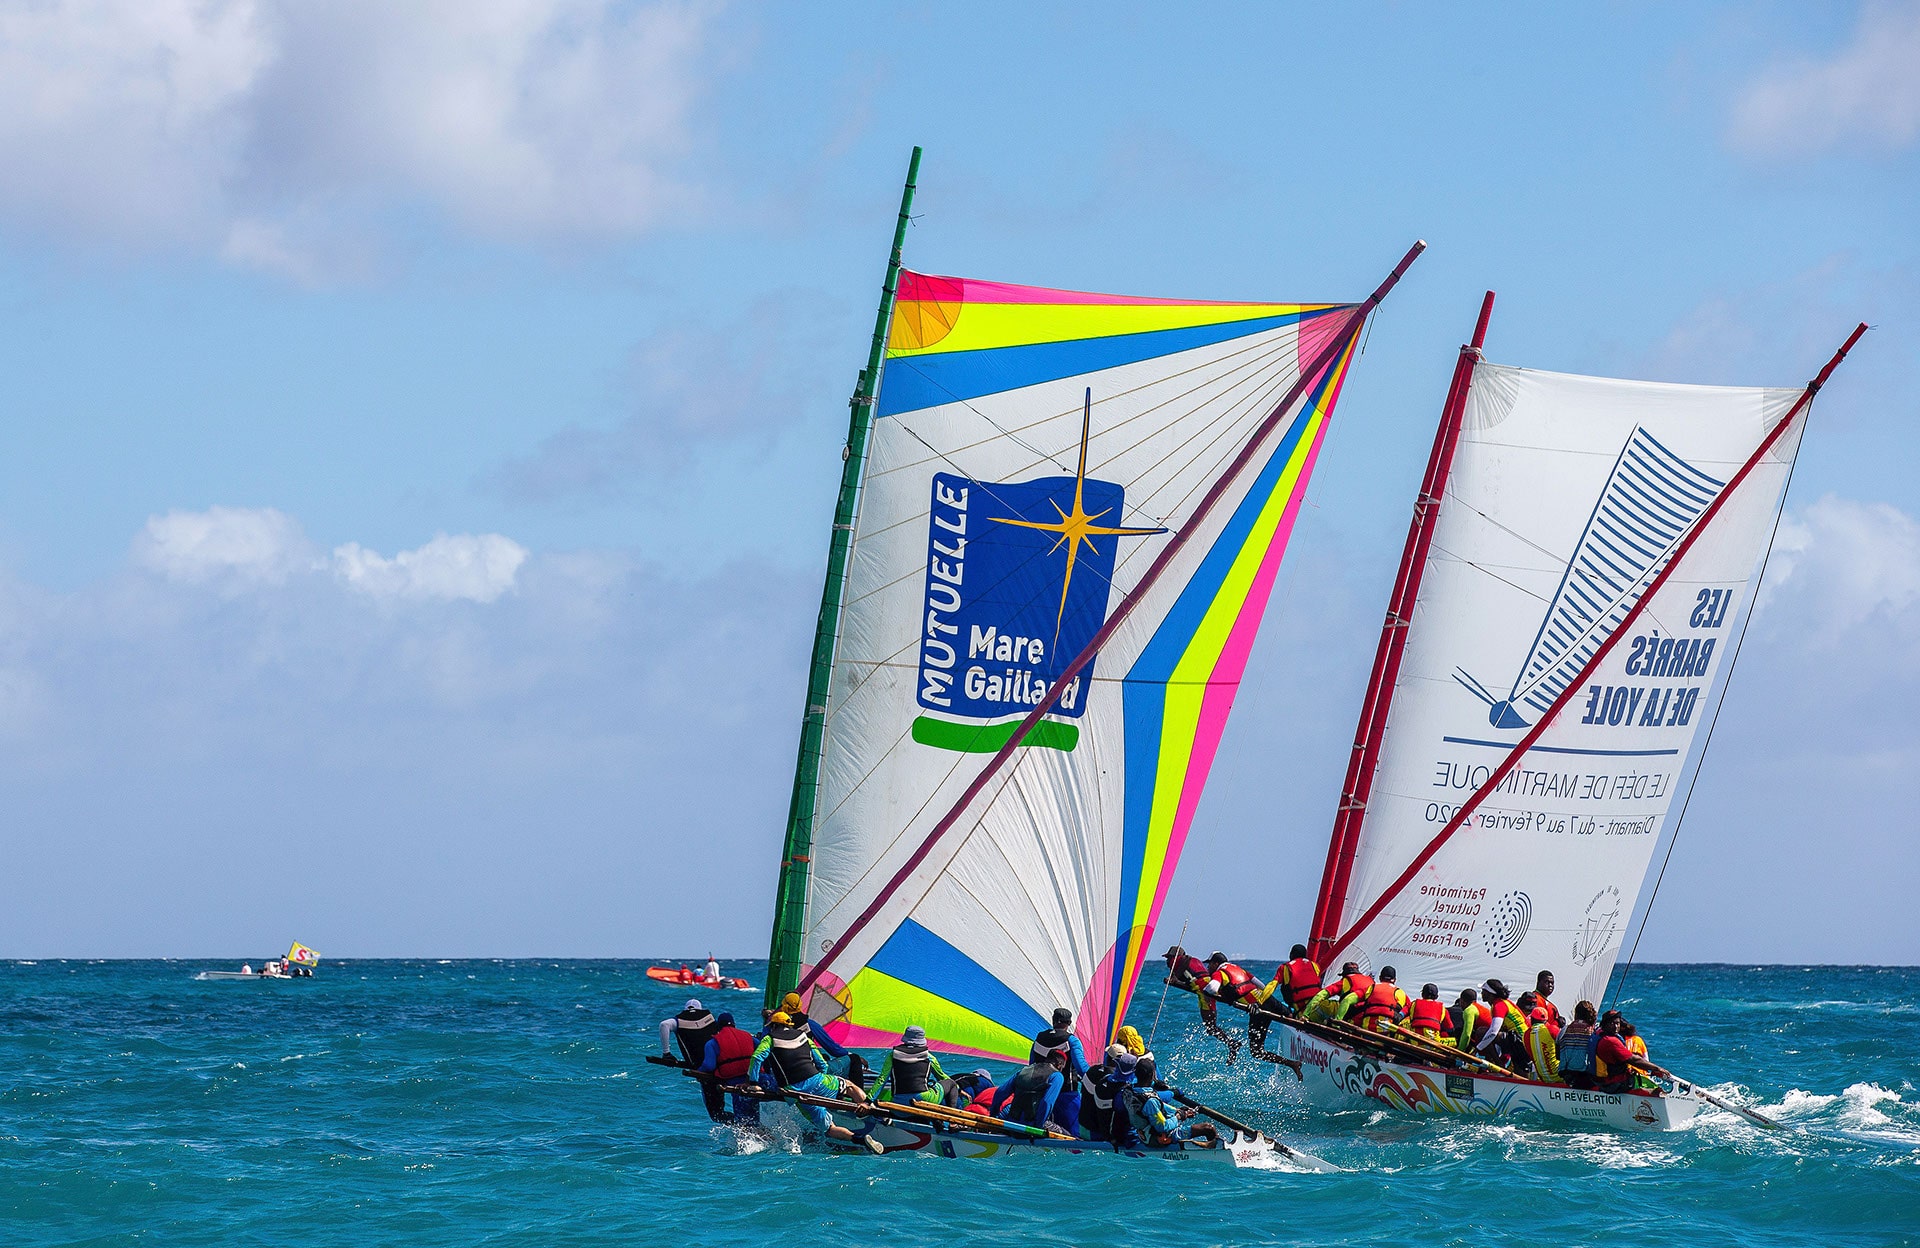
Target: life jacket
x,y
1382,1001
1425,1015
1028,1087
1544,1052
1353,985
1234,975
1099,1093
982,1102
1553,1014
736,1053
909,1071
1055,1040
1303,981
1189,970
1148,1114
1636,1046
1507,1015
793,1054
693,1028
1578,1042
1473,1024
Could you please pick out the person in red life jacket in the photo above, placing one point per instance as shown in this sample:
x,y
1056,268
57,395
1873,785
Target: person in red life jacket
x,y
1384,1003
1186,971
1429,1018
1294,984
1543,989
1344,993
1614,1063
1228,981
729,1052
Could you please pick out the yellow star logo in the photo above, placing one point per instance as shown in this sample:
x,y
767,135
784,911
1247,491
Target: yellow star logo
x,y
1076,527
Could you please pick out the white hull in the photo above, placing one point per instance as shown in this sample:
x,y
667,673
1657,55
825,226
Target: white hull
x,y
1235,1149
249,975
1337,1076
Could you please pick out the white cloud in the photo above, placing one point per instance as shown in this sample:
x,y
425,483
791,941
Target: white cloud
x,y
1866,94
236,545
1839,564
279,133
478,568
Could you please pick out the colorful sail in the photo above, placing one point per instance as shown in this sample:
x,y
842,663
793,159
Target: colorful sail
x,y
1032,452
1568,497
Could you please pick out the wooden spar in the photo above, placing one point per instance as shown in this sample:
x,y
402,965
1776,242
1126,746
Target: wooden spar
x,y
1575,685
1335,345
1361,763
796,855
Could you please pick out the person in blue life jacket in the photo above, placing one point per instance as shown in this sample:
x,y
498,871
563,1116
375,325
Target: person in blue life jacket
x,y
1059,1038
911,1072
959,1091
799,1065
1028,1096
1158,1123
728,1054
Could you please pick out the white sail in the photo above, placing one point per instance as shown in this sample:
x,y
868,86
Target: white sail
x,y
1568,496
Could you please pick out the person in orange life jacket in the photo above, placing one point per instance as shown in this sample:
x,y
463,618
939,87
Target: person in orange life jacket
x,y
1294,983
909,1072
1429,1018
800,1066
1543,1049
729,1052
1028,1096
1543,989
1636,1046
1576,1044
1059,1038
1186,971
1349,990
1614,1063
1228,980
1384,1002
691,1028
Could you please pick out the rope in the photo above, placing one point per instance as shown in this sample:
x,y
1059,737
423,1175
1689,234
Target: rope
x,y
1166,984
1739,644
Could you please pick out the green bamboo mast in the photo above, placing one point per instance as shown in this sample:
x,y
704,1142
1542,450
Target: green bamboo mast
x,y
790,899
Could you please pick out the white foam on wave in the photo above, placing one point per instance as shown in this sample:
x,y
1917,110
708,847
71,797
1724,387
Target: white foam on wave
x,y
1609,1149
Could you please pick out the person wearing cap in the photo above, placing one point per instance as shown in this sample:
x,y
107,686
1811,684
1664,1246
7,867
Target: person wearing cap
x,y
1614,1064
1183,969
1341,995
957,1091
1097,1092
790,1005
1385,1004
910,1071
1543,1048
799,1065
1060,1039
691,1028
1228,981
1429,1018
1154,1119
729,1053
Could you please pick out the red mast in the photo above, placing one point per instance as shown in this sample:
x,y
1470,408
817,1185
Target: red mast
x,y
1386,659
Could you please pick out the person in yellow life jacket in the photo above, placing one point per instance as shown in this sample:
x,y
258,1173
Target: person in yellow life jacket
x,y
1508,1023
1637,1047
1543,1050
1429,1018
1341,995
1384,1002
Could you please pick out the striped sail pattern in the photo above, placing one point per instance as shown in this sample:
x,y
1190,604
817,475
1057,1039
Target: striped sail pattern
x,y
1033,451
1650,498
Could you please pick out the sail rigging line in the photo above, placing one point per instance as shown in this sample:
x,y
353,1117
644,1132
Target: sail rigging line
x,y
1572,688
1165,984
1336,345
1343,844
1739,644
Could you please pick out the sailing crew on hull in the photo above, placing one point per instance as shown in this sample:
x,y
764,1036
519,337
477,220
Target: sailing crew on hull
x,y
729,1053
791,1007
800,1066
1228,981
1506,1034
910,1070
1543,1048
1385,1003
1029,1094
1576,1044
1543,986
1294,984
692,1027
1098,1092
1184,970
1060,1039
1341,995
1429,1018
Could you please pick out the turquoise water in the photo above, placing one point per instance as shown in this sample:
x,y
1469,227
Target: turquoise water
x,y
453,1103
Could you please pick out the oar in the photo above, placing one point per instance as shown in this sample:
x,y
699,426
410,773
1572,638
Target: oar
x,y
1751,1115
928,1114
1241,1127
1424,1045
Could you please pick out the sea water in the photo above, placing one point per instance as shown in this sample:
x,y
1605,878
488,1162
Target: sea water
x,y
507,1102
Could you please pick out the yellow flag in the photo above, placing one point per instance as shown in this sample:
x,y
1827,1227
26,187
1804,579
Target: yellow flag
x,y
300,955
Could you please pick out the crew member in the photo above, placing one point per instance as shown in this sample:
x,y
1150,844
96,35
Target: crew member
x,y
1097,1092
909,1072
1060,1039
1348,991
1157,1123
1384,1004
1029,1094
957,1091
1614,1063
1228,981
1542,1039
692,1027
1130,1040
1429,1018
1506,1034
713,971
799,1065
1543,989
1183,969
790,1005
1295,983
1576,1044
729,1052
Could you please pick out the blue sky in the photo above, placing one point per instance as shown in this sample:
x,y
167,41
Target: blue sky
x,y
421,424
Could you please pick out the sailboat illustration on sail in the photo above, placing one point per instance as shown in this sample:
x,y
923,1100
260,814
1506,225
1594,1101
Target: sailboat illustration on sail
x,y
1641,515
1060,519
